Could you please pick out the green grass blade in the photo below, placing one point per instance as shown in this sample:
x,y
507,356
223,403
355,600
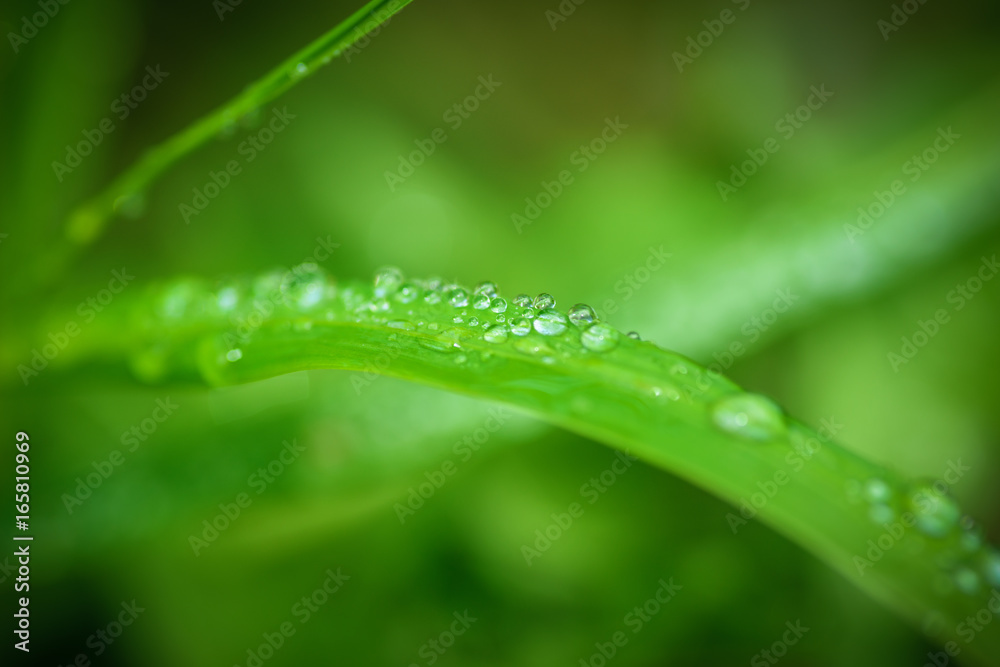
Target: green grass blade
x,y
901,541
88,221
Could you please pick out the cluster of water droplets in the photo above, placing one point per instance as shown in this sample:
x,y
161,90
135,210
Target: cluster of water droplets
x,y
449,314
968,563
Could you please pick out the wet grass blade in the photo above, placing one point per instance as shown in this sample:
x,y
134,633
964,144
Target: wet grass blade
x,y
901,541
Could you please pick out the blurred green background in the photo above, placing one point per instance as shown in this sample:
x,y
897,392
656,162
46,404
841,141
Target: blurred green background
x,y
655,186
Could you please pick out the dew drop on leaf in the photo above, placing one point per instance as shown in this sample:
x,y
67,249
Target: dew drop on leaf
x,y
458,297
522,300
520,326
550,323
234,354
600,337
486,289
388,280
481,301
544,301
498,305
749,416
496,334
581,315
937,513
405,325
634,335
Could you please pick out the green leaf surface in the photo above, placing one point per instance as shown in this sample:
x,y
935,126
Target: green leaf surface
x,y
901,541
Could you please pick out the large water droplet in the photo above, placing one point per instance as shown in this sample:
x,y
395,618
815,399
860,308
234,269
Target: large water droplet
x,y
388,279
486,288
498,305
749,416
550,323
496,334
481,301
304,285
581,315
600,337
520,326
458,297
544,301
408,293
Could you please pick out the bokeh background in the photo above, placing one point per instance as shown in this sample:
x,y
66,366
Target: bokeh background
x,y
655,186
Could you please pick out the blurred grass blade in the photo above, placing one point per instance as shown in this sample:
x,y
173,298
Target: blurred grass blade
x,y
89,220
901,541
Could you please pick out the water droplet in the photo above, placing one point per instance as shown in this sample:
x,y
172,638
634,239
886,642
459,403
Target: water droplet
x,y
529,313
303,286
234,355
401,324
749,416
498,304
581,315
432,297
473,321
408,293
520,326
544,301
936,512
550,323
481,301
600,337
457,319
487,288
388,279
634,335
501,318
877,491
301,70
461,359
227,298
522,300
458,297
496,334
